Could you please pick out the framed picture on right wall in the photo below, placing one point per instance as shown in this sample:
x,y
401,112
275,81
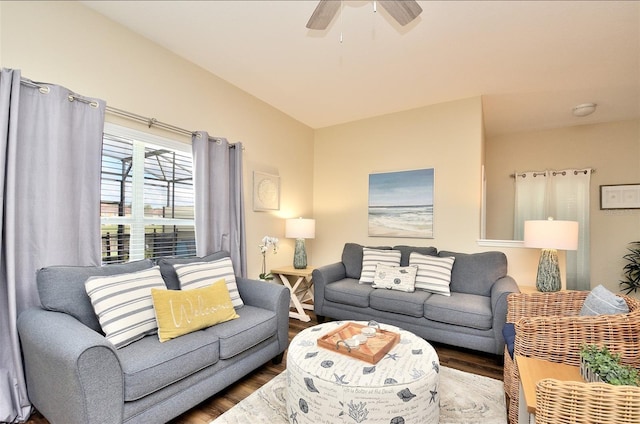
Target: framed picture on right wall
x,y
620,196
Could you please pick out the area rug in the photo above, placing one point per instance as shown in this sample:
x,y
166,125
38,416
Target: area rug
x,y
465,399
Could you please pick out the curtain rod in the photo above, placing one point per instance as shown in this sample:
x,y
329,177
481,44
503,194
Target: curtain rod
x,y
576,172
151,122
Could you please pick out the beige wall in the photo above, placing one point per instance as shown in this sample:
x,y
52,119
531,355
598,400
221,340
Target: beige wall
x,y
68,44
446,137
612,149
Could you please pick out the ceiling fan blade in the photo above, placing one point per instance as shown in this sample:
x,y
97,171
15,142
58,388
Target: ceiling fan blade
x,y
324,13
402,11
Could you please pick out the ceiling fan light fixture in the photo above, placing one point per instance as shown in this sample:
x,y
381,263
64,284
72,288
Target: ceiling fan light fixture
x,y
584,109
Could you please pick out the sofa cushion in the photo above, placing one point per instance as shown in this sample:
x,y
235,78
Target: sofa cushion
x,y
372,257
602,301
61,288
475,273
407,250
123,304
348,292
352,259
398,302
401,278
148,365
179,312
254,326
169,273
201,274
466,310
434,273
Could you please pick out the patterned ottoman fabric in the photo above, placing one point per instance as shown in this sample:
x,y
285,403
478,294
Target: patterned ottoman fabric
x,y
329,387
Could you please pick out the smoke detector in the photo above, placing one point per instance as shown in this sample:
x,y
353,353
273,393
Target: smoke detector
x,y
584,109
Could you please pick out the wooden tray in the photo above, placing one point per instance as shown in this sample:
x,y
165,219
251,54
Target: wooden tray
x,y
371,351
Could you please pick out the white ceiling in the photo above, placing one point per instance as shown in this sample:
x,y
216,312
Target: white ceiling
x,y
530,61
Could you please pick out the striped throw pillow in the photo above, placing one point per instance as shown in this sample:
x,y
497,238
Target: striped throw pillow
x,y
370,260
124,305
434,272
201,274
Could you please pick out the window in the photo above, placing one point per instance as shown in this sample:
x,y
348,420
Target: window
x,y
147,200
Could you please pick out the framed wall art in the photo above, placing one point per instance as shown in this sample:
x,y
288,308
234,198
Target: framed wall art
x,y
401,204
266,192
620,196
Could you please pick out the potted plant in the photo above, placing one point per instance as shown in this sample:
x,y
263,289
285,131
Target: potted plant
x,y
632,269
598,364
267,242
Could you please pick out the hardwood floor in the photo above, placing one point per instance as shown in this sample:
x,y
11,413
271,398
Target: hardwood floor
x,y
464,360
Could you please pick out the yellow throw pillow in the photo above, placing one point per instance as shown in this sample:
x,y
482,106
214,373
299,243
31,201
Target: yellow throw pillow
x,y
180,312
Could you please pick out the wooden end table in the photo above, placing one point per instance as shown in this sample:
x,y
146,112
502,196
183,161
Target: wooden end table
x,y
301,291
531,371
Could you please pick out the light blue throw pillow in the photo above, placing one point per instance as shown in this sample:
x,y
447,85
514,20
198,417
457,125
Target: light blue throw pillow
x,y
601,301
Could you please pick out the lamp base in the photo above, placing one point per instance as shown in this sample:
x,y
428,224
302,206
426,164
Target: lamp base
x,y
300,255
548,279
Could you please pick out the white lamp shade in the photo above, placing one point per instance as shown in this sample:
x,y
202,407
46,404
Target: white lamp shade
x,y
551,234
300,228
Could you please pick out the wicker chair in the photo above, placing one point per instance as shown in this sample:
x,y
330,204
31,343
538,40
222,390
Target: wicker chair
x,y
548,326
564,402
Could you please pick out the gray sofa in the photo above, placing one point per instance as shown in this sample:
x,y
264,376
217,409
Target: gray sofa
x,y
74,375
472,317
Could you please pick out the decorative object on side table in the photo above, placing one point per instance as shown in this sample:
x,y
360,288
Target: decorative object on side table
x,y
598,364
632,268
300,229
550,235
267,242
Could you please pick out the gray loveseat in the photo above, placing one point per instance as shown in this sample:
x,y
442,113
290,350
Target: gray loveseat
x,y
471,317
75,376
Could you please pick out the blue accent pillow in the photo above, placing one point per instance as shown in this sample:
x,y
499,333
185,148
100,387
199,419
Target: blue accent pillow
x,y
509,333
601,301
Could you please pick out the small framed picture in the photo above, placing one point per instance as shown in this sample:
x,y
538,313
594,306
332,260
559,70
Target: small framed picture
x,y
266,192
620,196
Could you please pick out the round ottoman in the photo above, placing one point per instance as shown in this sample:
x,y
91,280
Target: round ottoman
x,y
324,386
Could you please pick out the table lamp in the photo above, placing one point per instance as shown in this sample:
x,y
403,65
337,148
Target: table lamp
x,y
550,235
300,229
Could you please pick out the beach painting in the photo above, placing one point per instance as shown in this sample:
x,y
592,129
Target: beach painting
x,y
401,204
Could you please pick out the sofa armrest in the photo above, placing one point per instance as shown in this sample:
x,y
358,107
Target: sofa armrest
x,y
321,277
67,367
499,293
271,296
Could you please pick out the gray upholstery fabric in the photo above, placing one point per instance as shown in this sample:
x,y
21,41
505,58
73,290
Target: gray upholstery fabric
x,y
406,252
321,277
61,288
68,366
148,365
75,376
349,292
399,302
475,273
352,258
169,273
238,335
261,294
473,317
467,310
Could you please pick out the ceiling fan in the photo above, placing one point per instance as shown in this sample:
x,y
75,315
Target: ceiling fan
x,y
403,11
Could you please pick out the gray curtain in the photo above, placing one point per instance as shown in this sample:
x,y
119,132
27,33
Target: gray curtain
x,y
219,199
50,159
